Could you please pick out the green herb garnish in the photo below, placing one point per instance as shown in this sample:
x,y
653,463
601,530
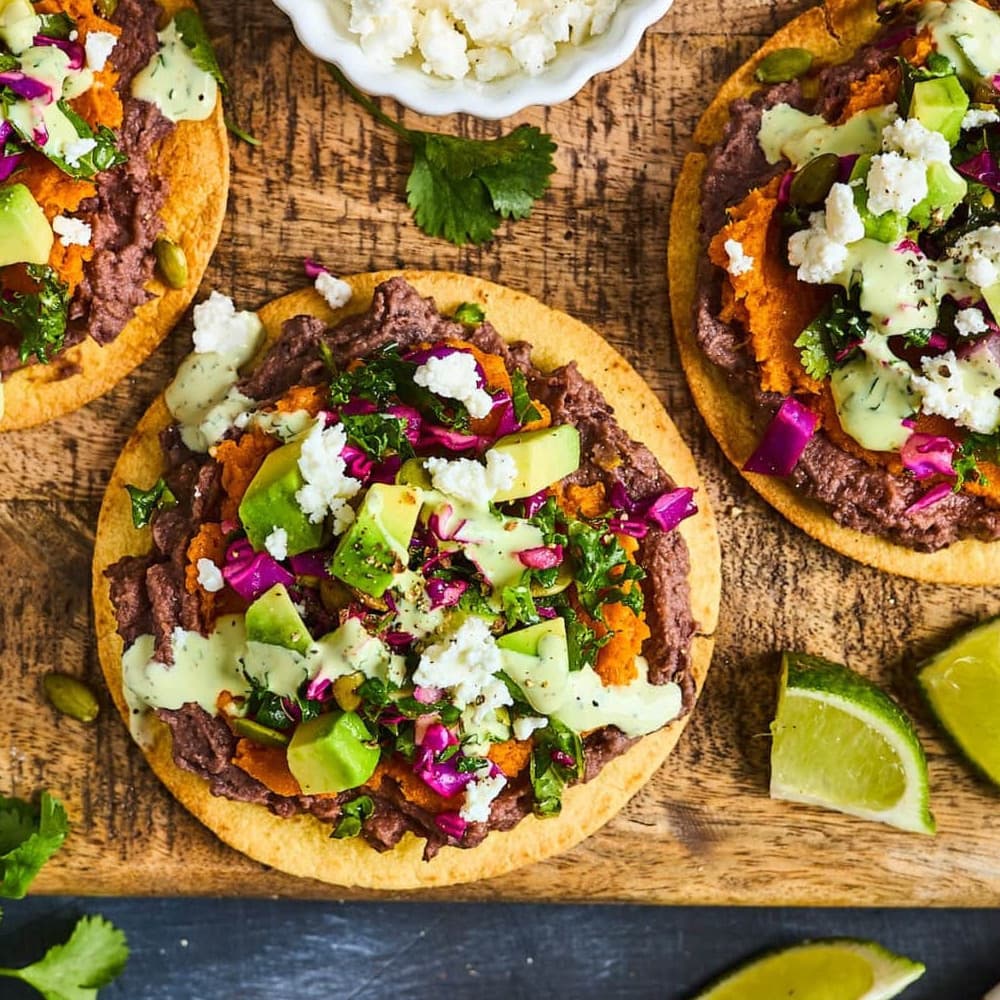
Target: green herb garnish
x,y
549,776
377,434
40,316
95,953
826,340
462,189
28,838
602,567
524,408
353,814
191,30
144,502
470,314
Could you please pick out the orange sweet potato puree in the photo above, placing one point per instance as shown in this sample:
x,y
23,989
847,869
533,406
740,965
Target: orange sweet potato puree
x,y
269,765
240,461
775,305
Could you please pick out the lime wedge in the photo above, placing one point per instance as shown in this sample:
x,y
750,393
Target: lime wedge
x,y
820,970
841,742
962,687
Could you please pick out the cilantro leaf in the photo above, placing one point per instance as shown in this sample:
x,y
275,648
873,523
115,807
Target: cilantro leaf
x,y
353,814
192,31
95,954
518,605
582,642
144,502
462,189
40,316
824,342
193,34
525,410
56,25
28,838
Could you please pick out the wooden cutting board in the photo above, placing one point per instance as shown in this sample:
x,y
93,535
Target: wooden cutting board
x,y
328,183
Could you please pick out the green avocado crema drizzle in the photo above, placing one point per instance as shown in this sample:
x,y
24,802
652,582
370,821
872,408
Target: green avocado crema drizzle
x,y
453,610
896,210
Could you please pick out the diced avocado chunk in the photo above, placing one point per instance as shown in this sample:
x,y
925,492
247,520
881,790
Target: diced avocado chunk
x,y
18,24
273,619
270,503
542,458
376,546
537,660
25,234
940,105
889,227
945,190
992,296
332,753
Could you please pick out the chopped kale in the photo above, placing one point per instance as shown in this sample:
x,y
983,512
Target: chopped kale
x,y
602,568
549,519
582,642
828,339
56,25
550,773
377,434
936,66
39,316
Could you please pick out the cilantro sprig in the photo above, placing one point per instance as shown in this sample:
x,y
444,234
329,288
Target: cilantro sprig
x,y
192,32
462,189
95,954
28,838
96,951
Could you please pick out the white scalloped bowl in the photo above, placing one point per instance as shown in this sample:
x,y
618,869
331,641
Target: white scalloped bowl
x,y
321,26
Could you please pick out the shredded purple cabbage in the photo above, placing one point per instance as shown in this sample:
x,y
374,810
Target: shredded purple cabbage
x,y
250,574
310,563
934,495
74,50
784,440
26,86
927,455
982,167
451,824
312,269
445,593
541,557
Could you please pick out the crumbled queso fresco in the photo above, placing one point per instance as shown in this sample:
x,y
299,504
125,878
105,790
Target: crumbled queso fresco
x,y
489,40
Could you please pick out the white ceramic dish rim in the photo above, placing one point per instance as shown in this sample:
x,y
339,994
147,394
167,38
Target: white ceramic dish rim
x,y
316,26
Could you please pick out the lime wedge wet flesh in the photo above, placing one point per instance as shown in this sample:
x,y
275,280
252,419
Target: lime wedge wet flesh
x,y
962,687
843,743
820,970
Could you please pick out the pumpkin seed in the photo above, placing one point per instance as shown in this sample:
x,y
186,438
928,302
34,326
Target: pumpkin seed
x,y
259,733
345,691
812,183
107,7
71,697
784,65
172,262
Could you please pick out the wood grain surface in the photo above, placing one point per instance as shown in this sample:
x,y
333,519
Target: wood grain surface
x,y
328,183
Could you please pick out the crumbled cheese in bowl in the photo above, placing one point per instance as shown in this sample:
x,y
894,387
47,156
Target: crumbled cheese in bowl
x,y
453,39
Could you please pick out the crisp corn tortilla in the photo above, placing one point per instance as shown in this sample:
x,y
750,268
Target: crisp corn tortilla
x,y
832,33
194,159
301,845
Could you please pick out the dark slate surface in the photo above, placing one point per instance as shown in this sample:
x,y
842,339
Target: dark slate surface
x,y
185,949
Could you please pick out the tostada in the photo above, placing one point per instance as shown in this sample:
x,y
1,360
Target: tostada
x,y
415,605
835,273
113,159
